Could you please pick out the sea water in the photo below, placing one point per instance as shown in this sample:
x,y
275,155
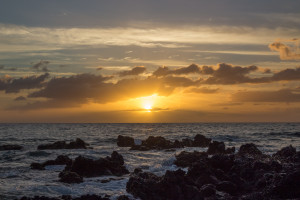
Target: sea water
x,y
17,179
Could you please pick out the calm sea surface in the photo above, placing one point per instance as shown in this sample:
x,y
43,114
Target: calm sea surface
x,y
17,179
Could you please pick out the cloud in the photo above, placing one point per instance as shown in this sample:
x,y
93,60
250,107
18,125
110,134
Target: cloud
x,y
2,66
286,52
99,68
42,65
20,98
228,74
193,68
14,85
283,95
133,71
203,90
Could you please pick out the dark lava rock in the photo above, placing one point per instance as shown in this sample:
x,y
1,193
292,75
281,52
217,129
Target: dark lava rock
x,y
216,147
250,149
285,154
201,141
208,190
77,144
70,177
228,187
221,161
157,142
60,160
186,159
67,197
87,167
123,197
125,141
10,147
288,186
172,186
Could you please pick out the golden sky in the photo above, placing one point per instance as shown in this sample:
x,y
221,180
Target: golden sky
x,y
150,61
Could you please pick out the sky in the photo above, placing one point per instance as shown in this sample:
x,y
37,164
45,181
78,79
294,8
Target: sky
x,y
158,61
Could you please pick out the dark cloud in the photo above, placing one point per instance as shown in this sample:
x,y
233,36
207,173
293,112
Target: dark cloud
x,y
12,69
20,98
228,74
193,68
133,71
284,95
2,66
42,65
286,52
99,68
14,85
203,90
267,71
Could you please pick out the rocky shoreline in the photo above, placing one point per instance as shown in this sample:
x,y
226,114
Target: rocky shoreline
x,y
218,173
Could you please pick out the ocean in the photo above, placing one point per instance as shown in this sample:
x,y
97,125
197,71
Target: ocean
x,y
17,179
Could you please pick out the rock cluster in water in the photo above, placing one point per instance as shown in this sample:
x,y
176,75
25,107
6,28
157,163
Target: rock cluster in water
x,y
248,174
77,144
160,143
86,167
60,160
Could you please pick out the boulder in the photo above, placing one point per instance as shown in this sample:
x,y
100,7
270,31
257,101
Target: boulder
x,y
125,141
228,187
201,141
216,147
70,177
208,190
60,160
187,159
249,149
87,167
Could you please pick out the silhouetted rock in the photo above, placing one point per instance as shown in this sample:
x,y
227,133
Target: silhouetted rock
x,y
77,144
67,197
208,190
7,147
186,159
60,160
216,147
70,177
87,167
125,141
285,154
123,197
228,187
201,141
250,149
288,187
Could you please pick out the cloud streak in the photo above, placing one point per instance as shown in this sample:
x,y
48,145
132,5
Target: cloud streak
x,y
285,51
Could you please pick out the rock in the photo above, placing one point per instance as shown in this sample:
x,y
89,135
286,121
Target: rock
x,y
208,190
125,141
249,149
123,197
157,142
68,197
77,144
216,147
70,177
37,166
60,160
86,167
7,147
228,187
201,141
186,159
285,154
221,161
288,187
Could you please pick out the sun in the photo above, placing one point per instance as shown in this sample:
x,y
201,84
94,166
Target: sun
x,y
148,102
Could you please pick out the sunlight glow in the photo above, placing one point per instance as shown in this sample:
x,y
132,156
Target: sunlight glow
x,y
148,102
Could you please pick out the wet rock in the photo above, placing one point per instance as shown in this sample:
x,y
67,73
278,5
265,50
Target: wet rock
x,y
60,160
125,141
221,161
186,159
37,166
208,190
216,147
288,186
123,197
10,147
249,149
286,154
228,187
77,144
157,142
87,167
201,141
70,177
